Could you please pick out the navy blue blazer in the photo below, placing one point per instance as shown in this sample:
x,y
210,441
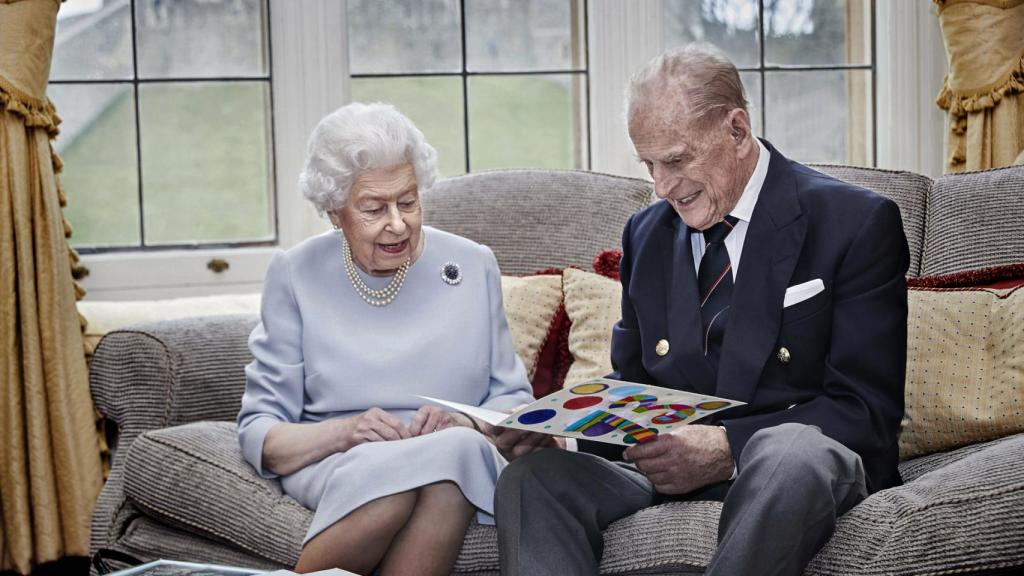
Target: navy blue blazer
x,y
847,344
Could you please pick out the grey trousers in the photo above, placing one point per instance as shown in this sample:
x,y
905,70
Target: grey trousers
x,y
793,482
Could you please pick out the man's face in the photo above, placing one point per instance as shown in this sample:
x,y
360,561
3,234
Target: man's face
x,y
695,166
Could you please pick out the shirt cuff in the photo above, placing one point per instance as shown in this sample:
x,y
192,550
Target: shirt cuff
x,y
572,445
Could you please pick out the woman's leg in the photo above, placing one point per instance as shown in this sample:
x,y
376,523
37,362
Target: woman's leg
x,y
358,541
430,541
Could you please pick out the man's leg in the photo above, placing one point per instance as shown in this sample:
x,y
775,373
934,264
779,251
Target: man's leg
x,y
552,505
793,483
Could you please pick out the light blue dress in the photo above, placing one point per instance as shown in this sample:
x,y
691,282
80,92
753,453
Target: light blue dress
x,y
321,352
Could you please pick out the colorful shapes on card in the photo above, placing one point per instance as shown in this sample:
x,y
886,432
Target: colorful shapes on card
x,y
677,412
537,416
589,388
627,390
599,423
713,405
581,402
639,398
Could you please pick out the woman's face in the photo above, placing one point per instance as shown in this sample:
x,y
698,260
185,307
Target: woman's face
x,y
382,219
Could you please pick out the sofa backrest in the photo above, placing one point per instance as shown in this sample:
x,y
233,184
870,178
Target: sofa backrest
x,y
537,219
975,220
908,190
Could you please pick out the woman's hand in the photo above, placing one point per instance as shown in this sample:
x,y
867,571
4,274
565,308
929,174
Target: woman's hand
x,y
374,425
430,418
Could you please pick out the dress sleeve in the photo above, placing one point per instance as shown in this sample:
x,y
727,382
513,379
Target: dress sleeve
x,y
509,385
274,380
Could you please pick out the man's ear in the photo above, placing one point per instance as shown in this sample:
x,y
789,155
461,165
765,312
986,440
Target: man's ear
x,y
738,122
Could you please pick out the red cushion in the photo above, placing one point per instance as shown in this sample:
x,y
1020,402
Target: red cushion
x,y
998,277
554,359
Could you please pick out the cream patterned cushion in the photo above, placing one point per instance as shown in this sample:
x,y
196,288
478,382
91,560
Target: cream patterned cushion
x,y
965,368
593,304
530,305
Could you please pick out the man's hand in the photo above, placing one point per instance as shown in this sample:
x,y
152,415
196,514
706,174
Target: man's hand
x,y
685,459
513,443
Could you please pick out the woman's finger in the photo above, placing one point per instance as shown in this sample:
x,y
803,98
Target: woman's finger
x,y
386,432
416,425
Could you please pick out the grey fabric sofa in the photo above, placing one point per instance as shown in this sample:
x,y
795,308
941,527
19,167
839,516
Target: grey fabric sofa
x,y
180,489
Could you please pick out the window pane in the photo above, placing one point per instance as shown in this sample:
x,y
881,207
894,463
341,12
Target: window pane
x,y
94,41
731,25
433,104
404,36
523,35
200,39
822,32
752,86
97,145
838,130
205,169
527,121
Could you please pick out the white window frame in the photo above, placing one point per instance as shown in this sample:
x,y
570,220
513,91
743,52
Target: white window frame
x,y
310,78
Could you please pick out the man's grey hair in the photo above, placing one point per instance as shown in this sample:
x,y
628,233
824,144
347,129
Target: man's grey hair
x,y
698,74
359,137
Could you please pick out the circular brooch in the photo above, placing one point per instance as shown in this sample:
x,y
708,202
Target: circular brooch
x,y
451,273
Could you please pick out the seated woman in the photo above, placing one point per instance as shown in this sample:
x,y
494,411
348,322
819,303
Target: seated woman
x,y
356,323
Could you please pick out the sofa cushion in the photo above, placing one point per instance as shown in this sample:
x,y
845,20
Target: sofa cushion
x,y
908,190
975,220
536,219
530,306
965,358
593,303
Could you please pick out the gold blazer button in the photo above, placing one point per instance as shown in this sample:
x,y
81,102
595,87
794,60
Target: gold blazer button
x,y
661,348
783,355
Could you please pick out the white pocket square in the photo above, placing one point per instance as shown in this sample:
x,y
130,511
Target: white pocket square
x,y
800,292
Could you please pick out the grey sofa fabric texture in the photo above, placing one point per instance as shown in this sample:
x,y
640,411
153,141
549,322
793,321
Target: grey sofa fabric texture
x,y
180,489
974,221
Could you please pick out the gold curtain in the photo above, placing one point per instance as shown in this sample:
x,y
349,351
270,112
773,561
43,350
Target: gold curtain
x,y
984,90
49,463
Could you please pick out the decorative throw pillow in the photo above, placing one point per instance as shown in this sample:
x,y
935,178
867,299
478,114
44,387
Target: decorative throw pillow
x,y
593,303
965,368
1006,276
530,306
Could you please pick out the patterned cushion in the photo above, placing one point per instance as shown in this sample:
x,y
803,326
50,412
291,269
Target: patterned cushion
x,y
530,306
975,220
536,219
965,361
594,306
908,190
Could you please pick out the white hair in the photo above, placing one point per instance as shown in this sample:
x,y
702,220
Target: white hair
x,y
359,137
700,73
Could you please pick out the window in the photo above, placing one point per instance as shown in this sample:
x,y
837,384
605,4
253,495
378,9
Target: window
x,y
492,84
807,65
167,136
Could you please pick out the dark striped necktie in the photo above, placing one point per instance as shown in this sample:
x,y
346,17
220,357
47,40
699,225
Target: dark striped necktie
x,y
714,285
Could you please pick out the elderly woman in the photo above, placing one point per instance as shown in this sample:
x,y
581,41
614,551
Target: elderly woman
x,y
356,323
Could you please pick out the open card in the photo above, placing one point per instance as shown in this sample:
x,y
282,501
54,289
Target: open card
x,y
610,411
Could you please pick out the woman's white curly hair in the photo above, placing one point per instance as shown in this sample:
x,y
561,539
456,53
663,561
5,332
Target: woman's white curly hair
x,y
359,137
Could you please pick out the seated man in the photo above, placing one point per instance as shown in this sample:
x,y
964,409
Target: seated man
x,y
755,279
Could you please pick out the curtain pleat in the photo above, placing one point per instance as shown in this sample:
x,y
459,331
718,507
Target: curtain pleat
x,y
49,463
984,90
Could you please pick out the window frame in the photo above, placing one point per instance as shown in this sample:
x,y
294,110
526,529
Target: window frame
x,y
311,78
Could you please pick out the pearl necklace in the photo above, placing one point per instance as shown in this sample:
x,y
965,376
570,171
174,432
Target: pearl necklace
x,y
381,297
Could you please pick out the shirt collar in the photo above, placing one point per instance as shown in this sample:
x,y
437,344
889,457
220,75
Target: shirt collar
x,y
745,207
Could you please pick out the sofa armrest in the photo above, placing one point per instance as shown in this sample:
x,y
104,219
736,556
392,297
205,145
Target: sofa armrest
x,y
151,376
964,516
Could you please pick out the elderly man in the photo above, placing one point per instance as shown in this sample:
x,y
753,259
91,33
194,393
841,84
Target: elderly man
x,y
756,279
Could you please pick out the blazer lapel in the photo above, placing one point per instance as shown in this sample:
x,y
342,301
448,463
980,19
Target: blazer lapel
x,y
684,332
770,252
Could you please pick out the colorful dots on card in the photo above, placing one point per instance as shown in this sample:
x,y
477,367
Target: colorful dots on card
x,y
589,388
581,402
537,416
713,405
628,390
